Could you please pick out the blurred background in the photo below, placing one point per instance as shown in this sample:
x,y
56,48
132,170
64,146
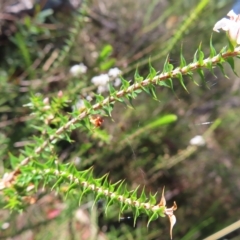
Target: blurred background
x,y
195,157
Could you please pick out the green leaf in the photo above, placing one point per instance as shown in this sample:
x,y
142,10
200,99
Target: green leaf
x,y
201,57
153,217
125,83
83,174
230,60
100,181
152,198
84,192
123,206
105,53
111,89
182,61
105,183
138,91
161,211
180,77
152,92
99,98
20,41
143,196
86,123
68,41
130,99
164,120
14,161
223,50
195,58
170,67
222,69
107,64
210,68
109,203
152,71
121,188
231,44
201,74
126,193
102,135
108,109
71,169
165,66
58,183
42,15
136,213
134,193
212,49
70,188
190,74
137,77
166,83
87,104
145,89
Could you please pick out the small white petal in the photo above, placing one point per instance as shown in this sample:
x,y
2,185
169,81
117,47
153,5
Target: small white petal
x,y
78,70
100,80
197,141
232,14
114,72
89,98
172,223
117,82
102,89
5,225
222,24
79,104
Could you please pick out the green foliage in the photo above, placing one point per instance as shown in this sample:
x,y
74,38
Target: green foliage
x,y
40,165
65,141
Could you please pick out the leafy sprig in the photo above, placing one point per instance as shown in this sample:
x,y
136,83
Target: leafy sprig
x,y
130,92
28,169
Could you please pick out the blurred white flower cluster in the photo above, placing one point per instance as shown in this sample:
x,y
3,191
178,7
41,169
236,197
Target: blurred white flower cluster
x,y
78,69
102,80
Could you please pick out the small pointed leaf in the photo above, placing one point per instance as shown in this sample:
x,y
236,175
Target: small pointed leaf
x,y
222,69
212,49
137,77
125,83
153,217
152,71
230,60
180,77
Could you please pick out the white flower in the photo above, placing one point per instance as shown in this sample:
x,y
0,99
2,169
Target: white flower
x,y
100,80
79,104
78,69
114,72
88,98
231,26
117,82
102,89
197,141
77,161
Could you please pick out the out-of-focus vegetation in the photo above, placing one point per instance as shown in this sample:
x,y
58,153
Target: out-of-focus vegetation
x,y
38,50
